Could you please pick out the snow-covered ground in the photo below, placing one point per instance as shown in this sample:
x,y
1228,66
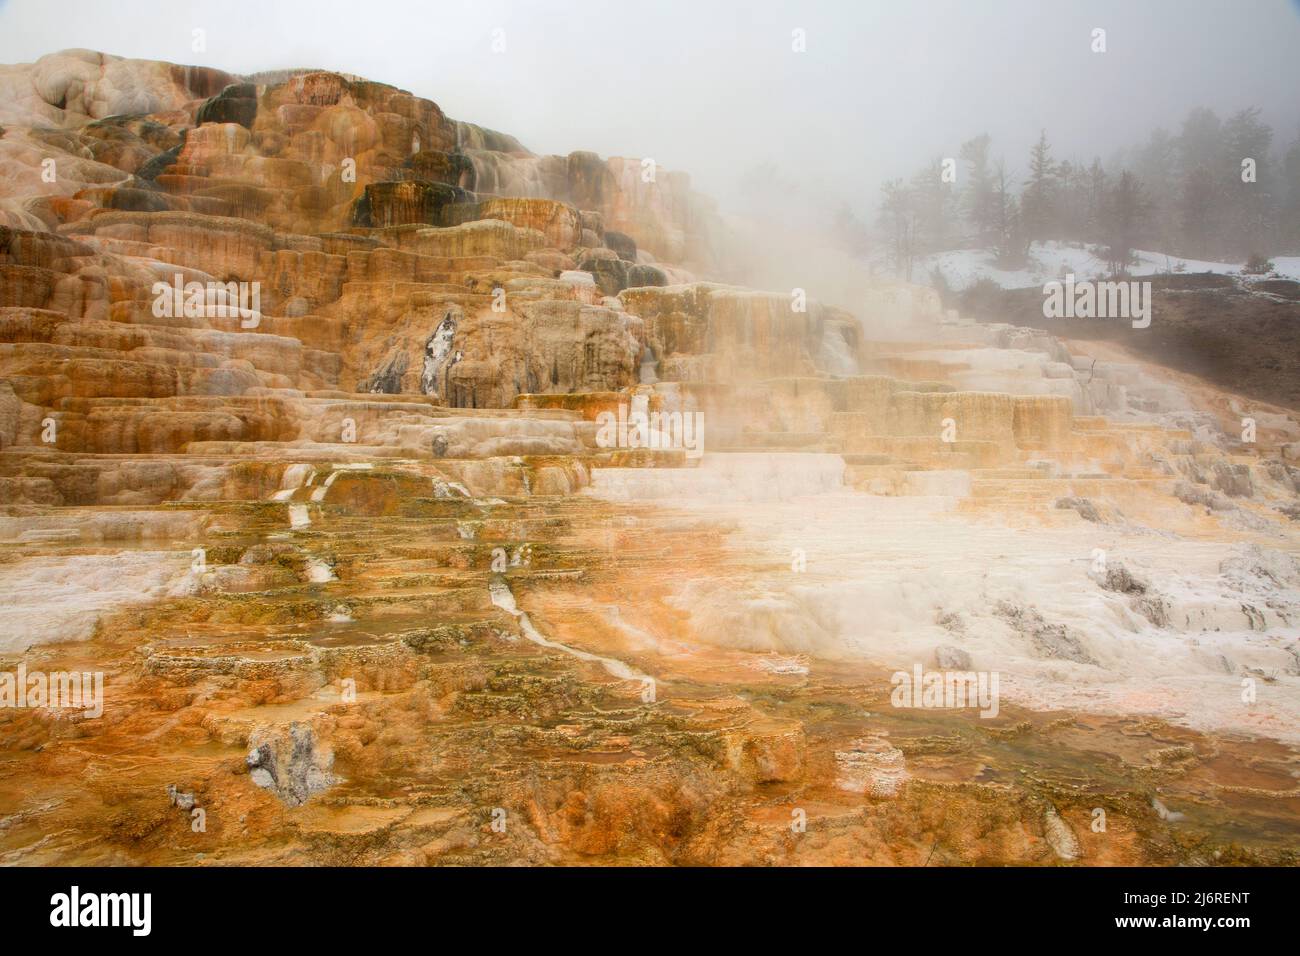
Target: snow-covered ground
x,y
1052,260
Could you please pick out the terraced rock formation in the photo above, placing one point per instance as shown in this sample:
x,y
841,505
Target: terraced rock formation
x,y
305,405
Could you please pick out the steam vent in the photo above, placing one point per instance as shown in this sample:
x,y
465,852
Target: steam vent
x,y
419,499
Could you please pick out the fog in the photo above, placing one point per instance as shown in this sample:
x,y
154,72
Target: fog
x,y
715,88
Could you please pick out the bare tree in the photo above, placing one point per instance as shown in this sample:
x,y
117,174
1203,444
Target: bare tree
x,y
1010,243
978,198
901,222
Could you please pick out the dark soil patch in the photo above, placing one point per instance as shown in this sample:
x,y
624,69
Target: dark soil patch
x,y
1214,327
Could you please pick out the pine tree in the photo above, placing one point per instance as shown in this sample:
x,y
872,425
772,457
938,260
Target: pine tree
x,y
1290,199
1198,212
978,198
934,206
1038,202
1202,163
1155,165
1122,222
1248,218
1097,185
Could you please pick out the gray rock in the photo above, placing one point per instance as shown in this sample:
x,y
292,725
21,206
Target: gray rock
x,y
1120,580
1189,494
1086,509
1059,835
951,621
622,244
1048,640
1154,608
263,778
292,765
1233,480
949,658
387,379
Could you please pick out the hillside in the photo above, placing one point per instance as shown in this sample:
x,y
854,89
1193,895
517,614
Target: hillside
x,y
423,500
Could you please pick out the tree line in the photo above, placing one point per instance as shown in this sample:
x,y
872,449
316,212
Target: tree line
x,y
1216,190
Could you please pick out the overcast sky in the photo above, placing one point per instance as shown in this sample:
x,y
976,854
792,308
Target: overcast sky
x,y
713,87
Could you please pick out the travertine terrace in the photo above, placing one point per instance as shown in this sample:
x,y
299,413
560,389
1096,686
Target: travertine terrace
x,y
366,585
